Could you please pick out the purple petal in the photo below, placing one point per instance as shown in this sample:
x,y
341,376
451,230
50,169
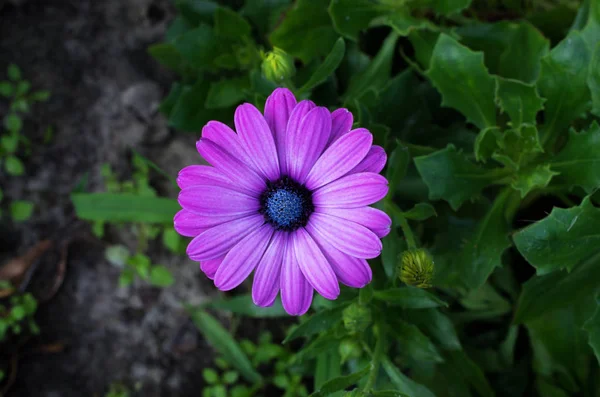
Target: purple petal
x,y
266,278
314,265
293,128
243,258
278,109
210,267
201,175
296,292
349,237
376,220
351,271
225,137
339,158
190,225
231,166
217,201
258,140
341,123
351,191
374,161
305,144
216,241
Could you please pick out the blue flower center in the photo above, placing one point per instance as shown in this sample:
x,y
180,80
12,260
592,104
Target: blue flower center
x,y
286,204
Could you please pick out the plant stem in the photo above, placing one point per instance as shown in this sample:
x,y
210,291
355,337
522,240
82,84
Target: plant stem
x,y
375,362
398,215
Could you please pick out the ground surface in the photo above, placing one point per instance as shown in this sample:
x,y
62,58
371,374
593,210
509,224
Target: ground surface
x,y
105,89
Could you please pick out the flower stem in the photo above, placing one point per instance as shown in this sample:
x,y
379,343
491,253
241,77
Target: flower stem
x,y
398,216
375,362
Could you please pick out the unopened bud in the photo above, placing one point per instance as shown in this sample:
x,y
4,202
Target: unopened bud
x,y
357,318
278,66
416,268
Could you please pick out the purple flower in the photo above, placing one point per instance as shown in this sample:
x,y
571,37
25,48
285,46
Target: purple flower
x,y
287,196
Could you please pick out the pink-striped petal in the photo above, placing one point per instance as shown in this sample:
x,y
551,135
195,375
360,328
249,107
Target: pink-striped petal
x,y
349,237
243,258
231,166
296,291
314,265
339,158
265,286
306,144
376,220
217,201
293,129
187,224
210,267
374,161
351,191
225,137
257,140
351,271
216,241
341,123
278,109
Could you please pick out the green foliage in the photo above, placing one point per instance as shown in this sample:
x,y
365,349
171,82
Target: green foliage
x,y
18,316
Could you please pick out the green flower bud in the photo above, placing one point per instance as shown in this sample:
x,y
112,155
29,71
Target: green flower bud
x,y
349,348
356,318
416,268
278,66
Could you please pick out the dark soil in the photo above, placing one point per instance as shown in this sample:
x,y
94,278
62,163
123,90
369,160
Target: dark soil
x,y
91,55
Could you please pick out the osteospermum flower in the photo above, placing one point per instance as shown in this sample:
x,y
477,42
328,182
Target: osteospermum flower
x,y
287,197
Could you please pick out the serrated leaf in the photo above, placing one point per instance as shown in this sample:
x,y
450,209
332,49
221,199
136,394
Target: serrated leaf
x,y
592,326
561,240
341,383
230,24
306,32
486,143
519,146
327,68
413,343
318,322
409,298
222,341
351,16
463,80
449,175
124,207
519,100
403,383
521,59
563,82
532,178
579,161
244,306
226,93
594,80
420,212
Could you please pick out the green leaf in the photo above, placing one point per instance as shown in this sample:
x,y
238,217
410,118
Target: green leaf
x,y
392,247
22,88
328,367
6,89
409,298
351,16
594,80
437,326
9,142
563,82
210,376
519,100
167,55
519,146
264,14
579,161
532,178
318,322
244,306
557,290
172,240
448,7
404,23
376,75
341,382
561,240
396,167
420,212
21,210
13,72
521,59
306,31
160,276
189,113
14,166
41,96
198,46
124,207
226,93
197,11
230,24
463,80
486,143
117,255
449,175
13,122
413,343
470,372
592,326
224,343
327,68
403,383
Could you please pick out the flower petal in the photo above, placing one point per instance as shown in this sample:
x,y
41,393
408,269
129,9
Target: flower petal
x,y
351,271
306,143
293,128
314,265
339,158
374,161
376,220
217,201
225,137
349,237
296,292
210,267
266,278
201,175
278,109
341,123
231,166
189,224
257,140
216,241
243,258
351,191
